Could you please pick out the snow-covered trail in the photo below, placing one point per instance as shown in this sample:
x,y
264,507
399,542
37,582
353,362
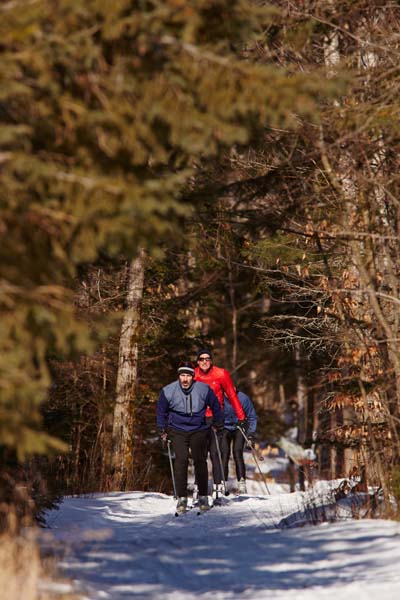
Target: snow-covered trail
x,y
130,545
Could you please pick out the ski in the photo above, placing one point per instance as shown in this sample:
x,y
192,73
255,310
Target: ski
x,y
188,509
221,501
181,514
201,512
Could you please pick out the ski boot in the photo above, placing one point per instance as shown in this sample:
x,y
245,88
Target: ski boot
x,y
181,506
242,488
203,504
217,494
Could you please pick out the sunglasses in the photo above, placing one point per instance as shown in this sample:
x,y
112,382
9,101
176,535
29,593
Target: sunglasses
x,y
204,359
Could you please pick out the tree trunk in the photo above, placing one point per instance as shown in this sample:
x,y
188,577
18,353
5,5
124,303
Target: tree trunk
x,y
233,322
121,460
301,397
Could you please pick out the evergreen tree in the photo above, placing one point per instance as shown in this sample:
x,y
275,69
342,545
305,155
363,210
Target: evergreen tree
x,y
106,111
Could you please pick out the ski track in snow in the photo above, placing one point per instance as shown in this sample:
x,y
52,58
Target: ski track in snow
x,y
122,546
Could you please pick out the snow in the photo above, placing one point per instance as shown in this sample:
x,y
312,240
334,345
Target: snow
x,y
123,546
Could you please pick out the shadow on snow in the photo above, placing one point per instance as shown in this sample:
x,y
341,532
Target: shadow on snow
x,y
207,554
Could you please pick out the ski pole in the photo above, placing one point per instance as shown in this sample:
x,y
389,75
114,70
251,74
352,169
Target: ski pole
x,y
250,445
220,460
172,467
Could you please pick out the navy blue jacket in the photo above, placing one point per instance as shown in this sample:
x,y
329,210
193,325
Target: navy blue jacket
x,y
231,418
186,409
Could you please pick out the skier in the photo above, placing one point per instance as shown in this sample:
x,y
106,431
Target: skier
x,y
181,410
221,383
232,438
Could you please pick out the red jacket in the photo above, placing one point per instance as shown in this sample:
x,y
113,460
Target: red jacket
x,y
221,383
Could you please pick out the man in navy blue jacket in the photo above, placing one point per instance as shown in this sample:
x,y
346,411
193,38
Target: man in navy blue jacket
x,y
232,437
181,410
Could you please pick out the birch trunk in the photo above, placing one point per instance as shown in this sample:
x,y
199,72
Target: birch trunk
x,y
332,59
301,396
121,460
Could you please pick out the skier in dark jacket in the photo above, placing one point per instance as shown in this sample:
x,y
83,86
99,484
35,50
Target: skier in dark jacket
x,y
221,383
233,438
181,410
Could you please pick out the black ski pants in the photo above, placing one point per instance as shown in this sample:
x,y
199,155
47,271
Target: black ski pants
x,y
233,440
197,443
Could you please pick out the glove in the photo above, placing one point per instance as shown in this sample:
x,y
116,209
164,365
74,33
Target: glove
x,y
163,435
243,425
251,438
219,427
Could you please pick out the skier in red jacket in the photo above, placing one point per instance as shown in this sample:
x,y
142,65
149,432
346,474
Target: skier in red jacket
x,y
221,383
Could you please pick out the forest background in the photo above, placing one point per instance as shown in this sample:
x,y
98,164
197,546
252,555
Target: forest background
x,y
178,174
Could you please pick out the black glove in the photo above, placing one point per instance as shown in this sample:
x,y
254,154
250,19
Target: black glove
x,y
219,427
243,425
251,439
163,436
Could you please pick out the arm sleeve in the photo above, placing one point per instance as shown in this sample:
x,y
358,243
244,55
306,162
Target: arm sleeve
x,y
229,390
213,403
251,415
162,411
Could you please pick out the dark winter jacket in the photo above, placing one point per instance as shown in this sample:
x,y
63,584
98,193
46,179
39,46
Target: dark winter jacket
x,y
186,409
231,418
221,383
